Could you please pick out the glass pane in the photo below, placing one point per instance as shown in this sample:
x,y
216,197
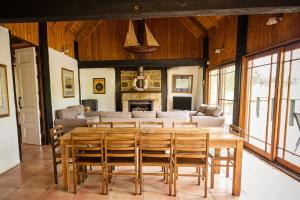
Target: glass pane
x,y
293,132
213,87
262,61
296,54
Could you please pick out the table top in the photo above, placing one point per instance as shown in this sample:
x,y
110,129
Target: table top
x,y
214,133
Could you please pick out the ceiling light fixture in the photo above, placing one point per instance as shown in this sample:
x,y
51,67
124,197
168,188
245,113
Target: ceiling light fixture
x,y
274,20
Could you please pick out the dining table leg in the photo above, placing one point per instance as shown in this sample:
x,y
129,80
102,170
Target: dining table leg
x,y
64,167
217,162
237,170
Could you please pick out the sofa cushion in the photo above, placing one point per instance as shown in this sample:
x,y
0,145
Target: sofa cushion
x,y
115,114
143,114
66,114
213,111
203,108
79,109
209,121
173,114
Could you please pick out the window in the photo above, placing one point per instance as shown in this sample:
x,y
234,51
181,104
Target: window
x,y
221,90
270,103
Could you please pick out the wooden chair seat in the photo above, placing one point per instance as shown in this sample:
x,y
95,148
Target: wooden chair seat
x,y
155,160
190,161
224,154
88,161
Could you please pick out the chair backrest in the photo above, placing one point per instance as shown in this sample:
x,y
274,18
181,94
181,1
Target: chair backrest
x,y
87,145
185,125
55,133
156,145
121,143
124,124
151,124
99,125
236,130
297,117
191,145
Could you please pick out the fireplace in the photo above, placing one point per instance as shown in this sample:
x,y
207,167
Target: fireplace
x,y
140,105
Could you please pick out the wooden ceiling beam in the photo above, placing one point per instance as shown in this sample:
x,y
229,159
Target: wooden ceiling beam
x,y
94,28
87,28
190,26
198,25
70,10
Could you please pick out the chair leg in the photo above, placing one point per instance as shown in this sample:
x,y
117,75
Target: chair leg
x,y
135,178
55,172
75,178
175,178
171,179
212,173
199,175
205,182
227,168
197,169
164,172
106,181
141,178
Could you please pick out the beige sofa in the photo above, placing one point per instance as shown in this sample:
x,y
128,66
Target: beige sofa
x,y
74,116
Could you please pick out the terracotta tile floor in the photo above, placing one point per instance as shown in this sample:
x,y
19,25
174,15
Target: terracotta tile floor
x,y
33,179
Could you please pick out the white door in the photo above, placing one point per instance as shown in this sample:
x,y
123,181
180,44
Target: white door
x,y
27,95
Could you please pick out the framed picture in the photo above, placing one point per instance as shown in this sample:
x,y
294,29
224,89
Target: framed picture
x,y
182,83
99,85
4,100
68,87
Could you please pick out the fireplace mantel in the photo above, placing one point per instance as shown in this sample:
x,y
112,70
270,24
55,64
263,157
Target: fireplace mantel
x,y
155,97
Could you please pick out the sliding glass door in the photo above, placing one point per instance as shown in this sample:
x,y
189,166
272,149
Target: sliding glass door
x,y
271,101
261,73
221,89
288,149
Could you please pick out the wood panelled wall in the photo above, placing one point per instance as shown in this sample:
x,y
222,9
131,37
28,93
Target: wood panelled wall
x,y
106,42
57,36
223,36
59,39
261,36
26,31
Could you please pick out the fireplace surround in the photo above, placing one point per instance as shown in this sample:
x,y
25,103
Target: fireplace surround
x,y
141,98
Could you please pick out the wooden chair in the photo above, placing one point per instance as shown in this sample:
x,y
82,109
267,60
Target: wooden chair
x,y
151,125
99,124
121,150
297,117
226,155
185,125
156,150
124,124
191,150
55,134
87,150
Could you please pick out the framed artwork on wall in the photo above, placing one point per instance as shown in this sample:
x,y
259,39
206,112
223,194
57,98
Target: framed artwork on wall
x,y
182,84
68,87
4,99
99,86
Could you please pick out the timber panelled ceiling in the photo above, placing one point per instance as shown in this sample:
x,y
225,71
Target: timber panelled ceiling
x,y
197,26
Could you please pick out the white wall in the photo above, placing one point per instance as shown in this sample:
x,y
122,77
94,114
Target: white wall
x,y
57,61
197,89
9,149
106,102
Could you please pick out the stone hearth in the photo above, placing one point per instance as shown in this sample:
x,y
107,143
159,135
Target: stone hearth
x,y
154,97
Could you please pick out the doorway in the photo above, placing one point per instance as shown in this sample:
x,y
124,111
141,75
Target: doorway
x,y
27,92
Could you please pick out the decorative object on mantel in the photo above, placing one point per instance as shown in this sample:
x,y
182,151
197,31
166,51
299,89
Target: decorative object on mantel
x,y
99,86
132,44
4,100
68,87
182,84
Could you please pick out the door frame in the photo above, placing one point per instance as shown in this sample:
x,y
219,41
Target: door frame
x,y
41,104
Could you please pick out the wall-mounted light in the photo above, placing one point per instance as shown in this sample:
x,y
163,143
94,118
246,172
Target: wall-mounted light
x,y
65,50
274,20
219,50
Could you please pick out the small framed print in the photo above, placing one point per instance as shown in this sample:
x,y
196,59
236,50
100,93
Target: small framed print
x,y
182,84
68,87
99,86
4,99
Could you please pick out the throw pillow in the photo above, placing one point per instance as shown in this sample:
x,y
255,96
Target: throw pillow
x,y
80,116
202,108
213,111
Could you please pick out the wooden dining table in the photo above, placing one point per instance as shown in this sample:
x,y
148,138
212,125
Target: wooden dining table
x,y
217,139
